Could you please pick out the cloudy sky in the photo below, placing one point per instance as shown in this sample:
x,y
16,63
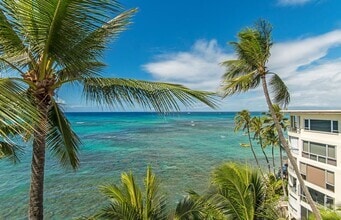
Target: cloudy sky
x,y
184,41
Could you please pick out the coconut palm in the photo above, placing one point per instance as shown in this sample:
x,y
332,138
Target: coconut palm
x,y
194,206
236,192
129,202
45,45
243,193
16,113
249,70
272,137
257,127
243,121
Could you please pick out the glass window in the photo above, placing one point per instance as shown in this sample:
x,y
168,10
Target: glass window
x,y
330,177
305,146
319,149
322,159
303,168
317,196
330,187
332,162
313,157
331,151
329,202
320,125
292,121
306,124
335,127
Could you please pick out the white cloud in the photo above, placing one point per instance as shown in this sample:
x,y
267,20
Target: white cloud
x,y
60,101
293,2
313,79
198,68
286,57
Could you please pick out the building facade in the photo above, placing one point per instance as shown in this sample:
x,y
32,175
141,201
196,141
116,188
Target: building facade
x,y
315,141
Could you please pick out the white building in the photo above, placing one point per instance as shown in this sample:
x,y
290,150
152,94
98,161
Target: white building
x,y
315,141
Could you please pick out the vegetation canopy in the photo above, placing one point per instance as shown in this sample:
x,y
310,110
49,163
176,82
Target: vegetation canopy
x,y
45,45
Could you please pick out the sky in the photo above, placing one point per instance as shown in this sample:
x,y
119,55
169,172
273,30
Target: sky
x,y
184,42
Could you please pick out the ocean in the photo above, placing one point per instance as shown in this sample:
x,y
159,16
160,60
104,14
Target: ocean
x,y
181,148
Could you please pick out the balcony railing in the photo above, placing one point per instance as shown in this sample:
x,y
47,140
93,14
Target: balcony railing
x,y
294,129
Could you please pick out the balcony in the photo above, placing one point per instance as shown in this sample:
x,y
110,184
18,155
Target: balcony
x,y
294,129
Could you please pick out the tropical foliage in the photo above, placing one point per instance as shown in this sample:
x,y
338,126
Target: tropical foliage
x,y
236,192
16,115
328,214
45,45
249,70
243,121
128,201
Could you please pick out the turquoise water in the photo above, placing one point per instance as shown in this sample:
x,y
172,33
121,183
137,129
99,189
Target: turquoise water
x,y
182,149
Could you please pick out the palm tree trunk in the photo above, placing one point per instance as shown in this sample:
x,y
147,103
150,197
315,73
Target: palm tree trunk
x,y
273,159
281,158
266,156
251,146
288,151
36,210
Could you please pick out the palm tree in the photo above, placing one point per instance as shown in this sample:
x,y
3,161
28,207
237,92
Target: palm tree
x,y
16,113
243,121
257,127
45,45
243,192
249,70
129,202
272,136
271,139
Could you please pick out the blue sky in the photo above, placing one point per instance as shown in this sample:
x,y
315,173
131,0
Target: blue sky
x,y
183,41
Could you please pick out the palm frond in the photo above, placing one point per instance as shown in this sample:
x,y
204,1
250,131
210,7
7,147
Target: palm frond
x,y
235,68
119,211
242,191
265,29
58,34
189,208
16,111
155,204
62,141
240,84
280,91
242,120
81,57
128,202
133,192
10,150
162,97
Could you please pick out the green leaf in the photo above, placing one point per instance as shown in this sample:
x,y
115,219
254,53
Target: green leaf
x,y
61,140
17,114
162,97
280,91
10,150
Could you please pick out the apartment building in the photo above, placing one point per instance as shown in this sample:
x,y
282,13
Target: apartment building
x,y
315,140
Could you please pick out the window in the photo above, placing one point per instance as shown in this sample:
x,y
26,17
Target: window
x,y
305,213
306,124
319,149
293,145
303,169
321,125
318,197
294,123
335,126
323,153
306,146
317,176
330,181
